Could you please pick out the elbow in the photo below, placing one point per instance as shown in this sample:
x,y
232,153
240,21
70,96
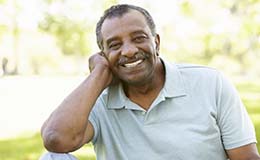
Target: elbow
x,y
55,142
52,142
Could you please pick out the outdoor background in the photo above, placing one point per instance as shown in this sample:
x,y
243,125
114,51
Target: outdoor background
x,y
45,45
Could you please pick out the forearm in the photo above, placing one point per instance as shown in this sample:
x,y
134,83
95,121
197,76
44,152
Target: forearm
x,y
64,130
247,152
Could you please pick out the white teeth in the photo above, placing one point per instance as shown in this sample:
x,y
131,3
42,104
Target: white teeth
x,y
129,65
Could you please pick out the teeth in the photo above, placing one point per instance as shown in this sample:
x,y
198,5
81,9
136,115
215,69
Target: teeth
x,y
129,65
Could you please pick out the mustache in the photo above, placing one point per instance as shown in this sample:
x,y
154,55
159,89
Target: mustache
x,y
137,56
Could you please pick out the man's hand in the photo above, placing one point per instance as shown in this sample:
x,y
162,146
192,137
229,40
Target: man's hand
x,y
99,62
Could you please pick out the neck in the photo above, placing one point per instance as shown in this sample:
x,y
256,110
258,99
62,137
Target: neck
x,y
145,94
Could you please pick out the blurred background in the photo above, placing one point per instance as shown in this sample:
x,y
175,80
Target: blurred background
x,y
45,45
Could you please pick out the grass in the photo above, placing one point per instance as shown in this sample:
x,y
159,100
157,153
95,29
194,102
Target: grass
x,y
29,146
23,148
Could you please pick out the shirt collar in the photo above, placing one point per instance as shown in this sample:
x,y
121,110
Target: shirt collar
x,y
173,87
174,84
116,97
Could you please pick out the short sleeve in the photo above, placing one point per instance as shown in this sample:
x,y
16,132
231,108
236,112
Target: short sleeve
x,y
95,119
234,122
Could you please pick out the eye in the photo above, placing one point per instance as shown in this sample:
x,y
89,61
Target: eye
x,y
140,39
114,46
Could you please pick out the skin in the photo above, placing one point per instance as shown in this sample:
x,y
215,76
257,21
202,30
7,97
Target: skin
x,y
68,128
141,83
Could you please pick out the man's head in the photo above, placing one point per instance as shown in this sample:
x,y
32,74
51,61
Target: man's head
x,y
118,11
129,43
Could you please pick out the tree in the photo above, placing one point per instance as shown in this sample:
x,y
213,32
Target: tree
x,y
72,32
70,35
15,31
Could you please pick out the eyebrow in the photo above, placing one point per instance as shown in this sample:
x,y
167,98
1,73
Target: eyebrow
x,y
139,32
109,40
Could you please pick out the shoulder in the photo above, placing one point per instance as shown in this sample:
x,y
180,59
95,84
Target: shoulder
x,y
187,67
196,68
194,71
101,101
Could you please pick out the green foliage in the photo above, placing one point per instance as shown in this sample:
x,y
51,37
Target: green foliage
x,y
252,87
2,1
70,34
245,43
226,28
194,33
3,29
108,3
186,8
53,1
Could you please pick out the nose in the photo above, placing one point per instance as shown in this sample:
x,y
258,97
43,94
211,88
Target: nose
x,y
129,50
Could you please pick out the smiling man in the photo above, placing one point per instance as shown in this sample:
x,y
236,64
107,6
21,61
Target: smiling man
x,y
135,105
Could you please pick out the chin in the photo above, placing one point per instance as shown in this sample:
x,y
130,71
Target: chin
x,y
136,82
138,78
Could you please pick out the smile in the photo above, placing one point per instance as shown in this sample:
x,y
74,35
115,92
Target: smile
x,y
133,64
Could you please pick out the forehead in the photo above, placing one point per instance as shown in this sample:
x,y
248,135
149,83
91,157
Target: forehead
x,y
130,22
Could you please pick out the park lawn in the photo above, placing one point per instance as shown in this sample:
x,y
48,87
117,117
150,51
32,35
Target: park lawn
x,y
29,147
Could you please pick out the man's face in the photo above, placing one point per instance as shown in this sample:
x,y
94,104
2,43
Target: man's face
x,y
130,47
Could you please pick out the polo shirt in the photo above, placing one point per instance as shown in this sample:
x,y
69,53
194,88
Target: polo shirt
x,y
197,115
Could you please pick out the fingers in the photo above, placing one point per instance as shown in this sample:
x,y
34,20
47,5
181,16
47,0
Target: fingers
x,y
90,67
97,59
102,54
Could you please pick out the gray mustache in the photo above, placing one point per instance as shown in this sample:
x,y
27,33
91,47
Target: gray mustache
x,y
137,56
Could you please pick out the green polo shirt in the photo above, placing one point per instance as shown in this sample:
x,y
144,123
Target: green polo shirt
x,y
197,115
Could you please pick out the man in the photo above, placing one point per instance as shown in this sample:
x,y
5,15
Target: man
x,y
135,105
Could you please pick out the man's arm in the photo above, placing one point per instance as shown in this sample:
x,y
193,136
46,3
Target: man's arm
x,y
247,152
68,127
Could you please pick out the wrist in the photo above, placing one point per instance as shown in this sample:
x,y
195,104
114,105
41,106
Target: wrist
x,y
102,76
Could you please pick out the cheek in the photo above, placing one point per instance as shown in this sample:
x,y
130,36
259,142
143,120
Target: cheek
x,y
150,47
113,57
152,50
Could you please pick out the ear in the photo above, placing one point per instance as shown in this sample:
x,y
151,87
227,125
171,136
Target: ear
x,y
157,43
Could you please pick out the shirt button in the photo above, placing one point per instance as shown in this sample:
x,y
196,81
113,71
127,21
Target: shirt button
x,y
143,112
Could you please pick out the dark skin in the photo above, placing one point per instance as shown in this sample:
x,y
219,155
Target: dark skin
x,y
68,128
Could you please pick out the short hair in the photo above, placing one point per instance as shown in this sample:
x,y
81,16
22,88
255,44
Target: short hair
x,y
118,11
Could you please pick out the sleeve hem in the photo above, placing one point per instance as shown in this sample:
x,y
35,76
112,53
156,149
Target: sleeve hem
x,y
92,121
240,143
